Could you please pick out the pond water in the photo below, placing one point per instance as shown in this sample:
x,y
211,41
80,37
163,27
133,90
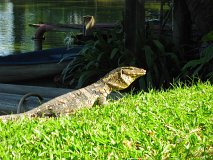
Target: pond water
x,y
16,15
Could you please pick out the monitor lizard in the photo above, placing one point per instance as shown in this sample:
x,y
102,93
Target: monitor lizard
x,y
96,93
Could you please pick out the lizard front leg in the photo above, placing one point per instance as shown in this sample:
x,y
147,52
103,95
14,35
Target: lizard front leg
x,y
102,100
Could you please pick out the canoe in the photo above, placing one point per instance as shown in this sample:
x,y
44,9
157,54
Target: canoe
x,y
35,64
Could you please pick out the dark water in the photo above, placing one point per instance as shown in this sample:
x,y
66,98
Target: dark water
x,y
16,15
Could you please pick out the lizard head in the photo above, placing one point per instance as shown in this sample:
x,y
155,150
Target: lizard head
x,y
120,78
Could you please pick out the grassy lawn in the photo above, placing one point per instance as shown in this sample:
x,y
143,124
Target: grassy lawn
x,y
172,124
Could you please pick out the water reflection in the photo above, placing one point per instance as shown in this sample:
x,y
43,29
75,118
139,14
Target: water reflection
x,y
15,15
6,28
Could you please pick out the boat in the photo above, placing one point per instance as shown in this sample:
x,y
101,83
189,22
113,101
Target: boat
x,y
35,64
10,96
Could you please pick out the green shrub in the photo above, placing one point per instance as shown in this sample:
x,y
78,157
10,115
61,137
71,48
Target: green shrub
x,y
108,51
202,66
162,66
97,58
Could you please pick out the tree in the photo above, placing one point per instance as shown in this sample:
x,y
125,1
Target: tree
x,y
187,12
134,24
201,14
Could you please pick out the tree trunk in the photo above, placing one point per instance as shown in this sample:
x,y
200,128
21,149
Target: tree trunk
x,y
130,24
202,14
134,26
181,24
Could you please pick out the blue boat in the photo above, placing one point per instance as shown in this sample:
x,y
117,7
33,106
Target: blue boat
x,y
35,64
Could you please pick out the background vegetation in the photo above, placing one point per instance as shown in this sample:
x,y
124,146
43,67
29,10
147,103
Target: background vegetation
x,y
162,61
165,54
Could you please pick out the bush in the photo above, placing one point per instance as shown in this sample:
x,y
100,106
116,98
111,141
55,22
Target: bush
x,y
107,52
202,66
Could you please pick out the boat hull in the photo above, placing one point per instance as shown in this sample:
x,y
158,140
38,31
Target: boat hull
x,y
23,72
35,65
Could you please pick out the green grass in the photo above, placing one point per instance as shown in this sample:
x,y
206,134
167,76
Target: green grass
x,y
173,124
155,6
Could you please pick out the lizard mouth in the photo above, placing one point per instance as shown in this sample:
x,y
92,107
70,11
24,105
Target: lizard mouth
x,y
133,71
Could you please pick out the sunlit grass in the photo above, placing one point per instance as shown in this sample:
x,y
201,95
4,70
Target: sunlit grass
x,y
155,6
173,124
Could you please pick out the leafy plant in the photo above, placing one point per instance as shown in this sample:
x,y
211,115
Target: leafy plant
x,y
208,37
98,57
107,52
201,67
162,66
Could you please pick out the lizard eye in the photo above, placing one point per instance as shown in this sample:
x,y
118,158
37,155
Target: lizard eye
x,y
122,72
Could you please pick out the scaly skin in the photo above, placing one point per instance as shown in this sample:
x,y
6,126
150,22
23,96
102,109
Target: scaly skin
x,y
96,93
